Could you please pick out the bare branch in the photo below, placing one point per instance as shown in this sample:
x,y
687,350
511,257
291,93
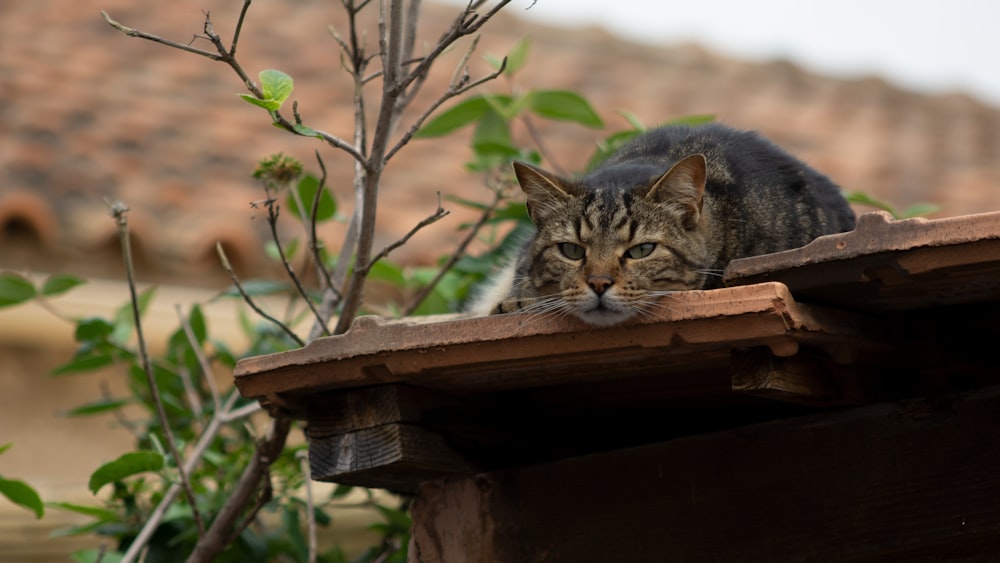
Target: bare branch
x,y
430,220
153,522
120,213
206,368
455,256
314,245
239,28
272,221
303,457
255,473
132,32
249,300
228,56
467,23
447,95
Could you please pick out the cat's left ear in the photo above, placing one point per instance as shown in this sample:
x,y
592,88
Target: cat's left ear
x,y
683,186
545,190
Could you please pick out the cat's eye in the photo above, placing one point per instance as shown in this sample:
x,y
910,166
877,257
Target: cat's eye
x,y
640,250
572,251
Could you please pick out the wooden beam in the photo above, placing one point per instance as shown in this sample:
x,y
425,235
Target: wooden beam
x,y
914,481
391,456
814,379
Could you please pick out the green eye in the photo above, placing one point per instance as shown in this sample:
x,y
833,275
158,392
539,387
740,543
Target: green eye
x,y
641,250
572,251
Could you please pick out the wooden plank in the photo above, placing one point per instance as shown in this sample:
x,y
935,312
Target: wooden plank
x,y
913,481
390,456
334,413
519,351
810,378
888,265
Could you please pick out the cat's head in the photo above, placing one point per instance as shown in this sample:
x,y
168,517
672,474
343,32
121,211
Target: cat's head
x,y
611,244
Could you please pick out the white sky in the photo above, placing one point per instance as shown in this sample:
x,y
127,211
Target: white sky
x,y
930,46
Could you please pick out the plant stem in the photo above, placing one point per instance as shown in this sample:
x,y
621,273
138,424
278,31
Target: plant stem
x,y
120,213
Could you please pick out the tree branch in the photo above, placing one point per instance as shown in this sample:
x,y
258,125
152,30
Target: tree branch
x,y
272,220
430,220
249,300
132,32
455,256
120,213
455,90
206,368
215,540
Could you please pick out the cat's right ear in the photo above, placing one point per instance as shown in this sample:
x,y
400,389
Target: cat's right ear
x,y
546,192
683,187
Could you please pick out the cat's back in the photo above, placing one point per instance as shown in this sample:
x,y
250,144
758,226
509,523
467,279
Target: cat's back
x,y
762,197
732,155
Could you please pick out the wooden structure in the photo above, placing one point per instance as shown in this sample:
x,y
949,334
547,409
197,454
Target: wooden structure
x,y
836,402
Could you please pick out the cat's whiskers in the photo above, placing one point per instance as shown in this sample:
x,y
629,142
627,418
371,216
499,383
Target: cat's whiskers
x,y
653,303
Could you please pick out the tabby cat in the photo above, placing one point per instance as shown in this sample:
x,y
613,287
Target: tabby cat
x,y
665,213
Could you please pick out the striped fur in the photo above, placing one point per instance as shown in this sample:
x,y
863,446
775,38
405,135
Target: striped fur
x,y
666,213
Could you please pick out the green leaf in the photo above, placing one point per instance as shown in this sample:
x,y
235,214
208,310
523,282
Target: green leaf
x,y
341,491
86,363
275,85
609,145
124,318
919,210
306,189
492,137
564,105
306,131
59,284
517,56
21,494
100,514
387,272
93,329
15,289
127,465
98,407
5,447
456,117
632,119
268,104
395,517
256,288
95,555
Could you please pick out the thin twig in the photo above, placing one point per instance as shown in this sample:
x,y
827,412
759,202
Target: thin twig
x,y
215,540
272,220
314,245
303,456
249,300
239,28
447,95
132,32
120,213
467,23
439,214
194,402
156,517
206,367
537,138
455,256
228,56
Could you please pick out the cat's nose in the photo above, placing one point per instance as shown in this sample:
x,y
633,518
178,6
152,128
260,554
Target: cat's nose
x,y
600,284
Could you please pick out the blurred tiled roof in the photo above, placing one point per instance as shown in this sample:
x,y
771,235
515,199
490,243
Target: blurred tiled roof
x,y
89,113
